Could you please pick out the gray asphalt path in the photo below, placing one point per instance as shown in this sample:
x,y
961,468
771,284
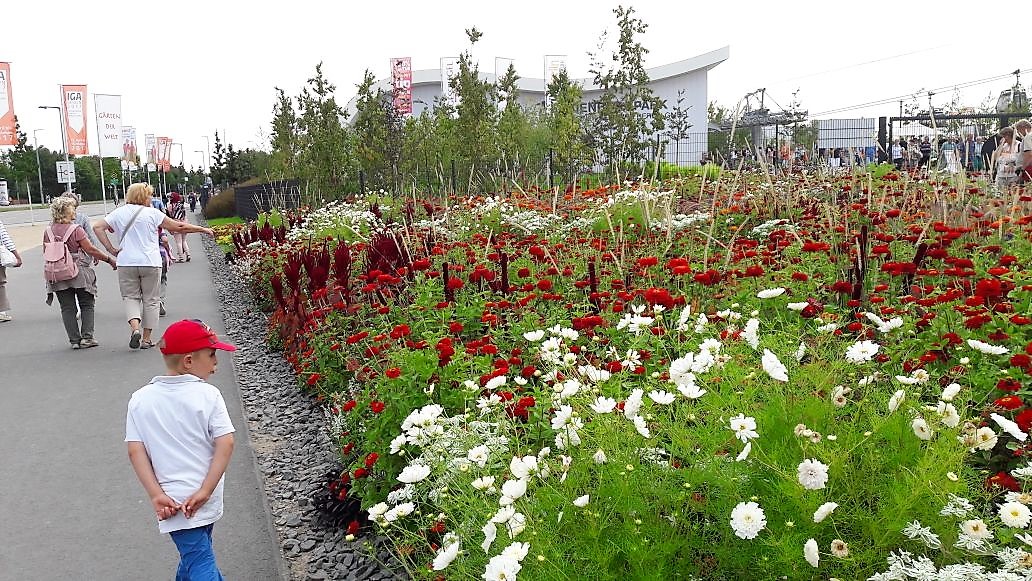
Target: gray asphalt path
x,y
70,504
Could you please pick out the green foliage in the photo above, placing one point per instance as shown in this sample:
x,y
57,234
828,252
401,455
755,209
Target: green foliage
x,y
222,205
379,134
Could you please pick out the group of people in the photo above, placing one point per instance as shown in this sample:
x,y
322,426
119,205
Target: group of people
x,y
142,258
1007,155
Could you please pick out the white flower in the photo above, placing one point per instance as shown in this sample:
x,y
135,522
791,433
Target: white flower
x,y
517,551
744,453
812,474
1015,514
896,399
948,414
633,404
516,524
691,391
985,438
523,467
661,397
976,529
921,429
747,520
402,510
830,327
594,374
711,345
811,553
641,426
987,348
397,443
840,395
771,293
681,369
495,382
823,511
534,336
581,501
749,333
483,483
377,511
514,489
907,380
884,326
561,417
862,351
1009,427
504,514
479,455
772,365
800,352
950,392
502,568
446,555
600,457
603,405
490,533
744,427
839,548
797,306
414,473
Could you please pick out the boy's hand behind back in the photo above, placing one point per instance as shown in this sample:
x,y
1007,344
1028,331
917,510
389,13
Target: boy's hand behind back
x,y
165,507
195,502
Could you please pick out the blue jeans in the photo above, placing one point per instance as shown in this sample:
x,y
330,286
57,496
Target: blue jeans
x,y
196,556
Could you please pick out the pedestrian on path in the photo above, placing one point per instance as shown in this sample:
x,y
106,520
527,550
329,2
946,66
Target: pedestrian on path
x,y
9,247
139,259
77,295
180,440
177,211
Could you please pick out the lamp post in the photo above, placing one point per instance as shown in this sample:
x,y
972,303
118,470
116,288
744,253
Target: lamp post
x,y
64,138
203,159
207,154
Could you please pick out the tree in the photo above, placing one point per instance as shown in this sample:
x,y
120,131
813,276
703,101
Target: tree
x,y
678,124
629,113
513,126
284,136
569,149
378,131
325,152
218,162
475,117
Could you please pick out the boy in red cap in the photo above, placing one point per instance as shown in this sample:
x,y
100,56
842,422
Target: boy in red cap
x,y
180,439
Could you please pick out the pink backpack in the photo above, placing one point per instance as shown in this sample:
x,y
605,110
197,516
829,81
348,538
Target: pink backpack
x,y
58,262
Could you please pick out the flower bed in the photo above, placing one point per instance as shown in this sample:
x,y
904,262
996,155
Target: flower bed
x,y
801,378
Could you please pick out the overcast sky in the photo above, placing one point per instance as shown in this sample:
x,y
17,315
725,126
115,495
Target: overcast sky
x,y
195,67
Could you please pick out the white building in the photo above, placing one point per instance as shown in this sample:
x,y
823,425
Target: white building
x,y
689,75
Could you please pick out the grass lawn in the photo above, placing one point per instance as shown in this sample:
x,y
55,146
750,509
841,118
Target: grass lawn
x,y
224,221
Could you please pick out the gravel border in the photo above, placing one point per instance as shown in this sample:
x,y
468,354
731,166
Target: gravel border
x,y
292,448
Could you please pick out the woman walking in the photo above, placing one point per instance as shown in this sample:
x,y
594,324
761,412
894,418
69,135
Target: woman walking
x,y
9,247
76,295
139,260
177,211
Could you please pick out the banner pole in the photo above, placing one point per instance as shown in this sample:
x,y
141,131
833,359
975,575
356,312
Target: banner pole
x,y
100,155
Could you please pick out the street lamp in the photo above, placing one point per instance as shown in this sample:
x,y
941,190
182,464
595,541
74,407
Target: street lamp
x,y
207,154
203,159
64,138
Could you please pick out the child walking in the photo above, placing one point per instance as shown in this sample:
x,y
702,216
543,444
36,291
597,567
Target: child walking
x,y
180,440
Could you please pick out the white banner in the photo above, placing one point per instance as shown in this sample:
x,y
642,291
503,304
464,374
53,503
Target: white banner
x,y
151,143
449,69
109,124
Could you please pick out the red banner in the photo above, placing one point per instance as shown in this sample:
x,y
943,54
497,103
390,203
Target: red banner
x,y
73,101
401,81
164,153
8,129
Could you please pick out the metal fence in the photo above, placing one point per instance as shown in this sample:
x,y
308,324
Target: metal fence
x,y
253,200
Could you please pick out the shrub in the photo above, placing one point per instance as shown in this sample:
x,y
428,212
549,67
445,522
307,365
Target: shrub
x,y
223,205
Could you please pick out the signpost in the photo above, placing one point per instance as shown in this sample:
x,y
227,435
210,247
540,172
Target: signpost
x,y
65,172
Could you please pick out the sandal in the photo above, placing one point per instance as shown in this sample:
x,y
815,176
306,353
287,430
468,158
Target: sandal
x,y
134,339
146,344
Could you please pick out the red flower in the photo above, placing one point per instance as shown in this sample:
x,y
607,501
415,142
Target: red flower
x,y
659,296
1009,402
393,373
523,272
314,378
1020,360
647,261
356,337
800,276
400,331
455,283
708,278
544,285
455,327
1008,384
361,472
371,459
1004,480
421,264
377,406
1024,420
353,527
528,371
349,405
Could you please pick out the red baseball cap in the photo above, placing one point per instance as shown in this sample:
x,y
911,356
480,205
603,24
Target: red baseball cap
x,y
190,335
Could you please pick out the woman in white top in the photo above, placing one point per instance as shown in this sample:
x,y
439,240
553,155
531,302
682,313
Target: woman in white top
x,y
1005,159
8,243
139,259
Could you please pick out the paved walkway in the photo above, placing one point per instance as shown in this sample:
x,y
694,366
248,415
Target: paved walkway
x,y
70,505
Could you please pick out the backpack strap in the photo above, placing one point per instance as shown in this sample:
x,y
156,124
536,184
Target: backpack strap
x,y
49,233
69,233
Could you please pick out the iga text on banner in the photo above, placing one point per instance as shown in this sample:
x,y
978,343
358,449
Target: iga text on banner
x,y
8,133
73,100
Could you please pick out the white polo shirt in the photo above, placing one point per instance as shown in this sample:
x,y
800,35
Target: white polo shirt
x,y
177,418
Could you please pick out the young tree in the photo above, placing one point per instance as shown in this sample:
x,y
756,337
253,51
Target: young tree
x,y
569,149
629,113
378,131
325,153
284,136
218,162
476,116
678,124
